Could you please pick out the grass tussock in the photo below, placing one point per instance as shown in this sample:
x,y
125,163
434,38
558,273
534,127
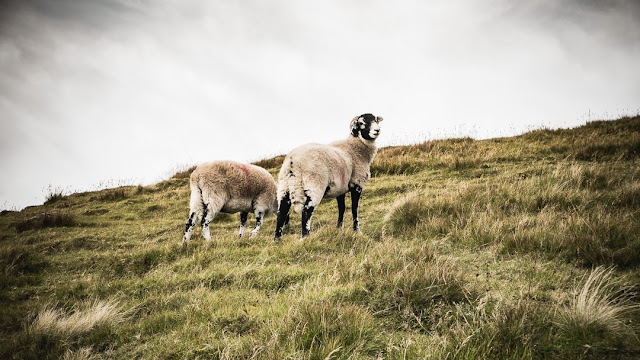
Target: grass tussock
x,y
599,314
498,331
59,333
439,214
114,195
184,174
406,213
325,330
54,197
55,323
47,220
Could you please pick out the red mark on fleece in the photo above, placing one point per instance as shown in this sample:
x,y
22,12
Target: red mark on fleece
x,y
245,169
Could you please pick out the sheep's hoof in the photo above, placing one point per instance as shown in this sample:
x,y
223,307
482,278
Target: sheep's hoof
x,y
252,235
277,240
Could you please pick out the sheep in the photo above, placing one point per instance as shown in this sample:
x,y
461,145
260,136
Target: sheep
x,y
229,187
312,172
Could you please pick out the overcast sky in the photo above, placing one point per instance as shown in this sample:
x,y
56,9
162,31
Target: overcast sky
x,y
95,91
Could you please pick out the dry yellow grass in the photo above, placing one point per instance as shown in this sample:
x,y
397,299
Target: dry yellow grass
x,y
60,324
604,301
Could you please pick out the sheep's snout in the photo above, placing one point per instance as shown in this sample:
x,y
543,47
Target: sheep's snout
x,y
375,130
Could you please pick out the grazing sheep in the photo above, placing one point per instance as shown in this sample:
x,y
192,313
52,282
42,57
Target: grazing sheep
x,y
312,172
229,187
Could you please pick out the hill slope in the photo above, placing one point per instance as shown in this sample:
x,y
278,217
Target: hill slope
x,y
522,247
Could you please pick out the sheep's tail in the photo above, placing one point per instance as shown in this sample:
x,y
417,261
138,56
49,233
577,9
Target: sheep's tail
x,y
292,183
196,202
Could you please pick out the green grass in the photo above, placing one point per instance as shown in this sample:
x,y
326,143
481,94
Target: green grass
x,y
522,247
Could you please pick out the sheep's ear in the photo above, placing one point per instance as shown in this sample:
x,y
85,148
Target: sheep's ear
x,y
379,119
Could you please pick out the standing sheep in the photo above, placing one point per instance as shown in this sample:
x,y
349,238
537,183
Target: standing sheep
x,y
314,171
229,187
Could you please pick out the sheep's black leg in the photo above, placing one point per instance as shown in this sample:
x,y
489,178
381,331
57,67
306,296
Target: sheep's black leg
x,y
286,221
356,191
206,220
341,208
254,232
307,211
283,215
243,222
204,215
191,222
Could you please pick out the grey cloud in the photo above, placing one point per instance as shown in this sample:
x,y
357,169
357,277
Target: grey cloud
x,y
78,14
614,21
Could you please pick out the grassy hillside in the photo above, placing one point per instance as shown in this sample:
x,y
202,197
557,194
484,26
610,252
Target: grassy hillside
x,y
523,247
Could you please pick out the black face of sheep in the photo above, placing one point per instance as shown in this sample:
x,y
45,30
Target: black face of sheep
x,y
366,126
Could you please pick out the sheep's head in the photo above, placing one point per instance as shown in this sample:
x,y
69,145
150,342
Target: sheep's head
x,y
366,126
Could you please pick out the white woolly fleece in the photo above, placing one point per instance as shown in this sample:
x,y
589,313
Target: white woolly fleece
x,y
325,171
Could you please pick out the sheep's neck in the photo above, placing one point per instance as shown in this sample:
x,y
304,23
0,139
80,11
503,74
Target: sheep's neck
x,y
358,149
